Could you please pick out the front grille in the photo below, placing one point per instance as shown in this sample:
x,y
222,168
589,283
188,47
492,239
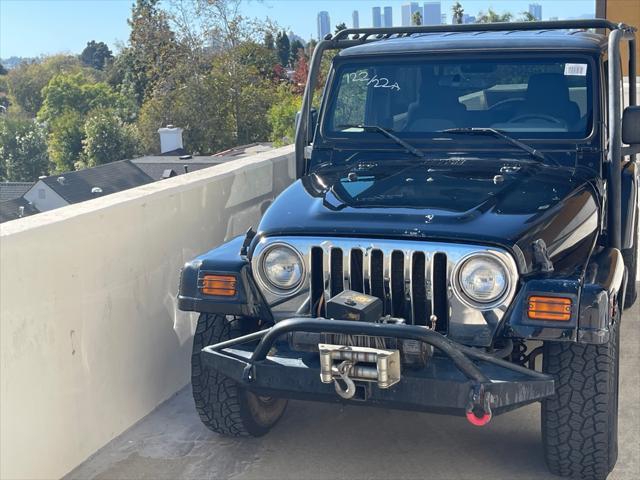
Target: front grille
x,y
411,284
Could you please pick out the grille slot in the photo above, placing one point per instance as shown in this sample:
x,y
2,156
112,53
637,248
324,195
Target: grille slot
x,y
397,284
376,278
421,302
439,303
316,282
337,276
411,284
356,278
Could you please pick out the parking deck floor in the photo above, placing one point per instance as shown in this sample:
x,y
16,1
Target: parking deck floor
x,y
321,441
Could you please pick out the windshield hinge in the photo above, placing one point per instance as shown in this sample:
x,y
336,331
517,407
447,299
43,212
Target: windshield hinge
x,y
307,152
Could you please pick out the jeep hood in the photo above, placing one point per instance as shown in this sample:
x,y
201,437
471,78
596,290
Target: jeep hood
x,y
505,203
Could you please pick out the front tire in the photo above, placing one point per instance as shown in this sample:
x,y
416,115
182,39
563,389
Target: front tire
x,y
222,404
580,422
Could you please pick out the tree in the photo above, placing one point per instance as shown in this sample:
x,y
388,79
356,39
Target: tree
x,y
23,149
77,93
340,26
301,73
3,71
107,138
296,48
527,17
152,51
283,47
269,41
66,132
27,80
458,13
492,17
96,55
282,115
416,18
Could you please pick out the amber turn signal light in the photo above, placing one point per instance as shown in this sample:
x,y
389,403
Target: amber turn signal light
x,y
550,308
219,285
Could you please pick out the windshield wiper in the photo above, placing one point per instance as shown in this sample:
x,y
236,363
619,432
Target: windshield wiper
x,y
500,134
387,133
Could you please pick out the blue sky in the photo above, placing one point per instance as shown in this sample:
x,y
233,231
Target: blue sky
x,y
32,27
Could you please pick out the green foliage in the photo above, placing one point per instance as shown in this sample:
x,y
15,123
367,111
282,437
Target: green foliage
x,y
283,46
252,54
66,132
269,41
416,18
107,139
296,47
340,26
527,17
3,71
492,17
27,80
152,52
77,93
458,13
23,149
96,55
282,115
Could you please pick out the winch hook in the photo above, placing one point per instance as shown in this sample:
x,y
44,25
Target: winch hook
x,y
343,371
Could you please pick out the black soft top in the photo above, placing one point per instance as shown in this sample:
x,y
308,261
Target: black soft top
x,y
529,40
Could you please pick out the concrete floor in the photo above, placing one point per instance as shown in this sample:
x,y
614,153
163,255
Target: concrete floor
x,y
321,441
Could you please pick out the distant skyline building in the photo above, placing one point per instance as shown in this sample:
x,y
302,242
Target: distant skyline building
x,y
535,9
443,18
432,13
324,24
468,18
355,19
387,18
376,15
408,9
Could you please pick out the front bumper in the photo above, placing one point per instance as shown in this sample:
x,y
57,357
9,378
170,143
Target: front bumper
x,y
458,380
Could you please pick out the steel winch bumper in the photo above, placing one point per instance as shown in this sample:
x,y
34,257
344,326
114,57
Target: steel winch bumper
x,y
457,380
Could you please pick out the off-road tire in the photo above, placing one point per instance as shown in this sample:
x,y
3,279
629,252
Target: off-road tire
x,y
222,404
580,422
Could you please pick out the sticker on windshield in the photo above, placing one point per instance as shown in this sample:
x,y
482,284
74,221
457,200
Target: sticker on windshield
x,y
576,69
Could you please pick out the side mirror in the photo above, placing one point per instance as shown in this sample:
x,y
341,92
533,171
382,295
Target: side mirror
x,y
631,125
314,121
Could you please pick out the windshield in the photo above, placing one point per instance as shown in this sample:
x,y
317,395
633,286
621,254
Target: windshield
x,y
526,97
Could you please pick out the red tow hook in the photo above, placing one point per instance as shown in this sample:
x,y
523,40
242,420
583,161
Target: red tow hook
x,y
478,421
478,409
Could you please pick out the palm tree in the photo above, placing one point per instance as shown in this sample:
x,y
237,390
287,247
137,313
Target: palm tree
x,y
527,17
458,13
416,18
492,17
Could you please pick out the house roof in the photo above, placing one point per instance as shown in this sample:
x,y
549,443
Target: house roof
x,y
543,40
12,190
112,177
156,170
156,165
10,210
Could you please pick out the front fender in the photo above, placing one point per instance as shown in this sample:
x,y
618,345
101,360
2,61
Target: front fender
x,y
223,260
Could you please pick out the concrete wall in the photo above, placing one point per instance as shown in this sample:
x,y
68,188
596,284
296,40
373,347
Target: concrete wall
x,y
91,340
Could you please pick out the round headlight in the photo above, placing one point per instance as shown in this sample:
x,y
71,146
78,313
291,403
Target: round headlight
x,y
483,279
282,267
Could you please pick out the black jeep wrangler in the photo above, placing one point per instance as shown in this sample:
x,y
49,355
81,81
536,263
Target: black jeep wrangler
x,y
465,205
